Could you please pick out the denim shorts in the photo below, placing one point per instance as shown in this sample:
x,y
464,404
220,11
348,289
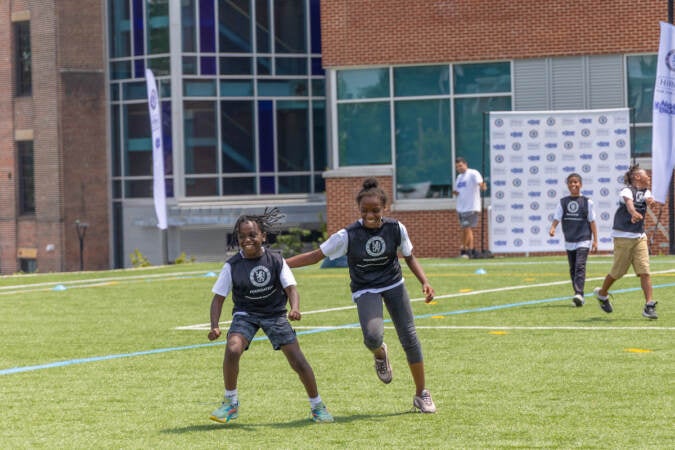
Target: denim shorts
x,y
278,329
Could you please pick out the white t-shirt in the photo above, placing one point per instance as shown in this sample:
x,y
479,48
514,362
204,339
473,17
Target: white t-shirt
x,y
336,245
468,186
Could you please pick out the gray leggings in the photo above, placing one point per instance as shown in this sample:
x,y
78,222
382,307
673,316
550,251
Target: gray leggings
x,y
397,301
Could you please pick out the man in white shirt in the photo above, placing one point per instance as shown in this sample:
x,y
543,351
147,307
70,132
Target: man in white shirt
x,y
467,189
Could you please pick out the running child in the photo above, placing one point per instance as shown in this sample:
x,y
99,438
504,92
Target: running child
x,y
371,244
630,240
261,284
577,215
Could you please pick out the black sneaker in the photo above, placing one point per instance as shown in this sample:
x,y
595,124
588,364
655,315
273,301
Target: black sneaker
x,y
650,310
605,305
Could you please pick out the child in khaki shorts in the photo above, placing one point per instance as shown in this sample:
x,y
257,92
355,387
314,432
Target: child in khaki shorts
x,y
630,240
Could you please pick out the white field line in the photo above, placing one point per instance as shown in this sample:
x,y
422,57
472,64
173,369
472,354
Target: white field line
x,y
497,327
207,326
93,282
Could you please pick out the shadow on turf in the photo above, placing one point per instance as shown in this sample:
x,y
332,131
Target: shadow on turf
x,y
292,424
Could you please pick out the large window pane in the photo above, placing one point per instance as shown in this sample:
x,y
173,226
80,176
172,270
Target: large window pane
x,y
200,138
120,30
234,26
364,133
423,154
201,187
262,26
137,140
363,83
237,136
22,59
482,78
643,141
319,130
641,74
421,80
158,27
292,136
239,186
294,185
469,127
26,177
189,33
289,26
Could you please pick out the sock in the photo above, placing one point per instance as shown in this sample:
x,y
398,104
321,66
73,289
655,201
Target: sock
x,y
232,396
314,402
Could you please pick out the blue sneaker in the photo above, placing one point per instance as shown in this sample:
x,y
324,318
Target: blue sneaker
x,y
227,411
320,414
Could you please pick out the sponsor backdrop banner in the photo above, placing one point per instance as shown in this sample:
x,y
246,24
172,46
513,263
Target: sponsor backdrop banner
x,y
531,155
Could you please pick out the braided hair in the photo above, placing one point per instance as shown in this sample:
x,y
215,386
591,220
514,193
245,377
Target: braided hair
x,y
630,174
269,222
371,187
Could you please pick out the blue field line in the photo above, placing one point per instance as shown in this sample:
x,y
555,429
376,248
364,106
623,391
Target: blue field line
x,y
72,362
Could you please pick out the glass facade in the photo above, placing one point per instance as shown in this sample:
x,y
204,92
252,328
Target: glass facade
x,y
418,119
251,102
641,76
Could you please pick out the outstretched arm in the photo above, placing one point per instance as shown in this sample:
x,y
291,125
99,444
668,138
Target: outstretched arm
x,y
416,269
305,259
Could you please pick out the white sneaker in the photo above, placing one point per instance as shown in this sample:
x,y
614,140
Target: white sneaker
x,y
383,368
424,402
578,300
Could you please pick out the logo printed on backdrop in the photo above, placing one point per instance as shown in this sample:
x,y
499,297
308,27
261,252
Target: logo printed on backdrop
x,y
566,142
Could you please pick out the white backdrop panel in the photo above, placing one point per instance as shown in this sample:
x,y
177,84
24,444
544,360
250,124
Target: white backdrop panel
x,y
531,155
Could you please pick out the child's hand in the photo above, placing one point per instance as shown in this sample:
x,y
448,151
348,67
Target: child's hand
x,y
294,314
636,217
551,232
214,334
428,292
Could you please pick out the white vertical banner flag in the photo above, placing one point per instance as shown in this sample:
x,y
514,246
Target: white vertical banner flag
x,y
663,118
158,188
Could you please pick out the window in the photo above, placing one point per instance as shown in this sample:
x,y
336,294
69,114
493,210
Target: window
x,y
24,84
26,178
641,76
423,115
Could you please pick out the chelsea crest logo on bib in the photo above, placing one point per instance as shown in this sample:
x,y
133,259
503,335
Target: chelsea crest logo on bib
x,y
375,246
260,276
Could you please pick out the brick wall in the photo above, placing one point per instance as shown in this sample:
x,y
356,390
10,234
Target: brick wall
x,y
433,233
356,32
7,148
66,117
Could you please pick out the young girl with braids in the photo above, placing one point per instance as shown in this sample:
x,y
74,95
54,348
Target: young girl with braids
x,y
371,245
261,284
630,240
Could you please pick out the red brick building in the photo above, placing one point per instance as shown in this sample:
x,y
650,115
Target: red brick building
x,y
59,119
391,33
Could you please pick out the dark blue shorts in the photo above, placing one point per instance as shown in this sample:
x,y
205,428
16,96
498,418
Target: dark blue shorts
x,y
278,329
